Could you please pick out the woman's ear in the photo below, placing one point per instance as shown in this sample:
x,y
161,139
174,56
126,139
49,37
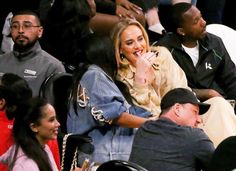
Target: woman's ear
x,y
2,103
34,127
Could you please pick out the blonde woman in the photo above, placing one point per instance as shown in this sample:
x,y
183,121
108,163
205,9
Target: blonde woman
x,y
149,72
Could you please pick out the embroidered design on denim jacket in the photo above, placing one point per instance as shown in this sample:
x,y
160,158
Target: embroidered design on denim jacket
x,y
83,101
82,98
98,115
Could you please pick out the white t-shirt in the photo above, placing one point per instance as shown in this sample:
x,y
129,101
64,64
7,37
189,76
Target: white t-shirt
x,y
193,53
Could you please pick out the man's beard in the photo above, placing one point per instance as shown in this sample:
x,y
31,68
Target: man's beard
x,y
21,47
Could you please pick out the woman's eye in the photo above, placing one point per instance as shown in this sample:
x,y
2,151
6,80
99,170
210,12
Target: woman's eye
x,y
140,39
129,42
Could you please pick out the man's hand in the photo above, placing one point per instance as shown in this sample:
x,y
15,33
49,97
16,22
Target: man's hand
x,y
126,8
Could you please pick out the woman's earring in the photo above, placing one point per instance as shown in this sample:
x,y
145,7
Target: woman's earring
x,y
122,56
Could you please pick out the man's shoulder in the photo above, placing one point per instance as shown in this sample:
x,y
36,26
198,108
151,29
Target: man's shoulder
x,y
197,134
212,36
212,39
5,55
51,60
167,37
6,58
169,40
49,57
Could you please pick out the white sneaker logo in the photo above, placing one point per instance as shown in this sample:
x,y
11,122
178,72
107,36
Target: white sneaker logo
x,y
208,65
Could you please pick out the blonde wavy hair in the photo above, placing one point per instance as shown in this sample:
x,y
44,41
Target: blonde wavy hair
x,y
116,34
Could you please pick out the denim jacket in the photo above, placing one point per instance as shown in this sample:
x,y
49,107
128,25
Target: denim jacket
x,y
99,103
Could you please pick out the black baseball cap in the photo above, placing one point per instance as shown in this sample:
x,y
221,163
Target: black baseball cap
x,y
182,96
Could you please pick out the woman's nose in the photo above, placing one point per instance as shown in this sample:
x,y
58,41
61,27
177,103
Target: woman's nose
x,y
137,45
58,123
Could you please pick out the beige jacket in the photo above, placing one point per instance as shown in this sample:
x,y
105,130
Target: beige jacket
x,y
168,75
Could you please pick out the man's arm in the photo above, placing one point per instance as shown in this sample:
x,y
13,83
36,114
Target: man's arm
x,y
203,148
204,94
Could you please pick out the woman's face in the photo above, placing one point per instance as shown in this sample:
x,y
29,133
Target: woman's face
x,y
47,129
132,43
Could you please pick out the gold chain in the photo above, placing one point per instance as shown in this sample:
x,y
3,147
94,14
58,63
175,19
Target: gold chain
x,y
74,161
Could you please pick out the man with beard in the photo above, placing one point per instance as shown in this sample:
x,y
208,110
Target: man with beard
x,y
203,57
27,59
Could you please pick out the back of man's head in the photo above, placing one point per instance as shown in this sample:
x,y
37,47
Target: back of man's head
x,y
177,12
181,106
182,96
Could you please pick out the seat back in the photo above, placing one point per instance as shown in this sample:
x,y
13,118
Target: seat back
x,y
228,36
56,89
118,165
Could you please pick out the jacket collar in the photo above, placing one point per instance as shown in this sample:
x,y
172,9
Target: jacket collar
x,y
174,41
30,53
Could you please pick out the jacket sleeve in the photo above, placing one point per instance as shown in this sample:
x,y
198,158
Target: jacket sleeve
x,y
104,96
172,76
203,148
